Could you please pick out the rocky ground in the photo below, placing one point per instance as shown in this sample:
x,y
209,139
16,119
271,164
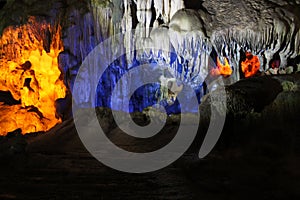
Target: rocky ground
x,y
257,157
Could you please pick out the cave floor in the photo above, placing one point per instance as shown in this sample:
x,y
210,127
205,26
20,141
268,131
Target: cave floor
x,y
57,166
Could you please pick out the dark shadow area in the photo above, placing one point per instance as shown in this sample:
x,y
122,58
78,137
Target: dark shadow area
x,y
7,99
2,3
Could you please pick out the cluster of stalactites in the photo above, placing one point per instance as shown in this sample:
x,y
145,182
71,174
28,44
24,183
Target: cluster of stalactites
x,y
184,32
274,39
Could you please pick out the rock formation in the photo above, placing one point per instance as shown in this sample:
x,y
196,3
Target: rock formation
x,y
197,33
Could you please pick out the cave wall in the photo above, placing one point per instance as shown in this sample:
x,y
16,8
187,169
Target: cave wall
x,y
229,28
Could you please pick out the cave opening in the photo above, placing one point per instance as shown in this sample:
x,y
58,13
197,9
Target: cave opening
x,y
275,62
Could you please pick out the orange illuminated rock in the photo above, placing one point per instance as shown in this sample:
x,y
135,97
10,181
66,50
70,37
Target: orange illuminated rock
x,y
32,76
251,65
221,69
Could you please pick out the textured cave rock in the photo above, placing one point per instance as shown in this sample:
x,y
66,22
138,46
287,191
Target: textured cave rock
x,y
257,155
256,113
268,29
261,119
263,27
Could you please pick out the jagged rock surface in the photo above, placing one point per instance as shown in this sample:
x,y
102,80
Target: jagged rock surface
x,y
266,28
